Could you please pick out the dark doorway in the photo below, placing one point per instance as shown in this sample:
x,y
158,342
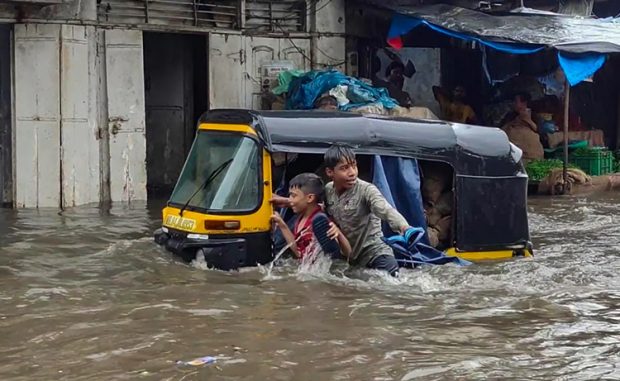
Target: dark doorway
x,y
6,141
463,67
175,73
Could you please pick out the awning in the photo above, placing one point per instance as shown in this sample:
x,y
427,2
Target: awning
x,y
582,43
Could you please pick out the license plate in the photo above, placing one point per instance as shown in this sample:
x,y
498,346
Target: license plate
x,y
180,223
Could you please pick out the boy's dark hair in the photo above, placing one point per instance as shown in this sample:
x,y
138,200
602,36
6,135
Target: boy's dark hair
x,y
337,153
309,183
326,100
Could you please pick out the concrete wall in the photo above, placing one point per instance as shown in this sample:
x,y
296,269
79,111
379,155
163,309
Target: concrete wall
x,y
235,62
328,30
124,66
427,62
51,10
6,140
79,116
56,148
79,107
58,124
37,115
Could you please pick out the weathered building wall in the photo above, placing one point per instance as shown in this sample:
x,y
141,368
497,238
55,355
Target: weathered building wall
x,y
49,10
126,116
79,116
427,62
80,120
6,140
328,30
37,115
58,125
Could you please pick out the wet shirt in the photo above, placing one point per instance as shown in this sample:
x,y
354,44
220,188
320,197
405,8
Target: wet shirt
x,y
304,235
358,207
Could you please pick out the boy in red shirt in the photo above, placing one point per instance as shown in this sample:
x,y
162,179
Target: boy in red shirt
x,y
305,195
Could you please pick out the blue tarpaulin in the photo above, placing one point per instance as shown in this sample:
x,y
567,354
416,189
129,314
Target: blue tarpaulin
x,y
306,89
398,179
580,67
402,24
582,44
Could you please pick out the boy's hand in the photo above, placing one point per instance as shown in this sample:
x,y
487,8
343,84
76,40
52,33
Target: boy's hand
x,y
277,219
279,201
334,232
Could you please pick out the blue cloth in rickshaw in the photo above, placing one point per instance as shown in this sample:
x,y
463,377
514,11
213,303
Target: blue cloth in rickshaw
x,y
398,179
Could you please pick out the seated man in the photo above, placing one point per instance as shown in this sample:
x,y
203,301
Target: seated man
x,y
311,224
454,108
522,131
394,83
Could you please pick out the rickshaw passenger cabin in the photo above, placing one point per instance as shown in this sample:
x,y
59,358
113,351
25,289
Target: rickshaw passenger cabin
x,y
227,220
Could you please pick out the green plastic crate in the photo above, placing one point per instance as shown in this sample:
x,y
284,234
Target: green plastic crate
x,y
595,163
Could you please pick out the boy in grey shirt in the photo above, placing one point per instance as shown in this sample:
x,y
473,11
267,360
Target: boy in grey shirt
x,y
357,208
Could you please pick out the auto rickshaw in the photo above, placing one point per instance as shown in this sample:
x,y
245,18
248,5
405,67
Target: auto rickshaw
x,y
221,206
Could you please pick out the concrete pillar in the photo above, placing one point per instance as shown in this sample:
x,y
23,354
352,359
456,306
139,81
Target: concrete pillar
x,y
327,22
6,119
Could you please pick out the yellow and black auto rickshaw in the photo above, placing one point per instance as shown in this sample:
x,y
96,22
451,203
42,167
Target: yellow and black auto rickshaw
x,y
221,207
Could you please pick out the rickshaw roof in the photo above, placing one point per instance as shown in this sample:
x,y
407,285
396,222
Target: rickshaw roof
x,y
471,150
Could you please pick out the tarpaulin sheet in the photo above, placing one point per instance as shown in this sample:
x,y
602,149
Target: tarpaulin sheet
x,y
402,24
306,89
398,180
580,67
581,43
564,33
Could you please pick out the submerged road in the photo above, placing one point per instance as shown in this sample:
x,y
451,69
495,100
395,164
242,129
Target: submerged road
x,y
86,295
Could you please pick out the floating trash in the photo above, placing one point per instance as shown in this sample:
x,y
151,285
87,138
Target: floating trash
x,y
198,362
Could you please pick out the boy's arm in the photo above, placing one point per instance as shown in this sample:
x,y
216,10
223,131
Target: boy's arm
x,y
345,246
286,233
335,233
386,212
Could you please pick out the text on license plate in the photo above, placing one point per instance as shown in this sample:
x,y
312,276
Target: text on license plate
x,y
180,222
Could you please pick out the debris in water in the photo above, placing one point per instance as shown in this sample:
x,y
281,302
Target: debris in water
x,y
198,361
239,349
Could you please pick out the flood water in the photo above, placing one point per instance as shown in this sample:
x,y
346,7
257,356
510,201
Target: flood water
x,y
86,295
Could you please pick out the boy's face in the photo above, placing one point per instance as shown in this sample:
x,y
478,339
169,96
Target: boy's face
x,y
300,200
344,174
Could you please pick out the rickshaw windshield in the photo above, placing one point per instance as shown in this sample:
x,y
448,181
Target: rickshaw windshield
x,y
221,174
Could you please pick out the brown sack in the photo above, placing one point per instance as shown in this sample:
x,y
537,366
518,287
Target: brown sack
x,y
433,217
444,226
444,204
433,236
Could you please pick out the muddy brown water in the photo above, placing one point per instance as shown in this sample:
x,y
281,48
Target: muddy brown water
x,y
86,295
